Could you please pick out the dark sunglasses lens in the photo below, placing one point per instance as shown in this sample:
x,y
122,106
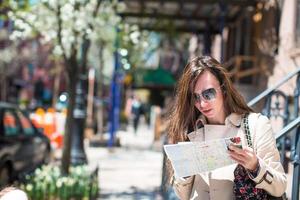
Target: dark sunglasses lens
x,y
197,97
209,94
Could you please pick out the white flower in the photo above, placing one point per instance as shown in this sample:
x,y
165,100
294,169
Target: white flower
x,y
52,3
75,23
29,187
58,50
59,183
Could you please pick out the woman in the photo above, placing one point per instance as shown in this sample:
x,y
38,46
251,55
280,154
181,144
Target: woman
x,y
206,96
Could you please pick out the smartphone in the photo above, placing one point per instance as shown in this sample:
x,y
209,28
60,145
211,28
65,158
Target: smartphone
x,y
236,141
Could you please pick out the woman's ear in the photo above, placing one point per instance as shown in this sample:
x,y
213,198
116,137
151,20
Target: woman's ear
x,y
224,92
223,88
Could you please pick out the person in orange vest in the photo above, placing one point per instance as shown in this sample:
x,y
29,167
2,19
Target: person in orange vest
x,y
60,118
37,118
49,122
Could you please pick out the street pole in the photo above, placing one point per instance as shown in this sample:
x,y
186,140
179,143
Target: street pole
x,y
115,97
78,156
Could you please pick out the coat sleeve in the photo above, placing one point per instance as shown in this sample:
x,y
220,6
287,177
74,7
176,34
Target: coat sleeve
x,y
183,187
271,176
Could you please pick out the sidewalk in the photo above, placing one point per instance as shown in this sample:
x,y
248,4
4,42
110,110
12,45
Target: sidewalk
x,y
132,171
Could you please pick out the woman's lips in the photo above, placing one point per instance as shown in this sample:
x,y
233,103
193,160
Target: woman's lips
x,y
206,111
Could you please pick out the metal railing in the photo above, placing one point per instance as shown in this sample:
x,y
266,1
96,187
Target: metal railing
x,y
277,105
295,153
270,89
289,124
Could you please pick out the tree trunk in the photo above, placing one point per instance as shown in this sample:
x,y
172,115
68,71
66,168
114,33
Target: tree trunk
x,y
84,53
3,83
56,83
100,126
72,68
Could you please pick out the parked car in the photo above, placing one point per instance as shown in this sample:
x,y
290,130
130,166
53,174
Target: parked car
x,y
22,146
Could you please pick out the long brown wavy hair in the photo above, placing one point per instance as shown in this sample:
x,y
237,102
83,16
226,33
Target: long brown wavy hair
x,y
184,113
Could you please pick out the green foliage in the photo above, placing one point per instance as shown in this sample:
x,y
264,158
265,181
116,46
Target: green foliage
x,y
23,4
6,5
47,182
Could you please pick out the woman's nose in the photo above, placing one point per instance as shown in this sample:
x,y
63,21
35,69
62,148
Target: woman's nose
x,y
203,103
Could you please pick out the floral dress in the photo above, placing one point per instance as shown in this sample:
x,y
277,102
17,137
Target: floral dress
x,y
244,187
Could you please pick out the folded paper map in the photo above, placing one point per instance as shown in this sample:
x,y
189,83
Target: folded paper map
x,y
190,158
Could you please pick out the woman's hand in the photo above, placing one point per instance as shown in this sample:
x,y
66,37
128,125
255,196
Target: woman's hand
x,y
245,157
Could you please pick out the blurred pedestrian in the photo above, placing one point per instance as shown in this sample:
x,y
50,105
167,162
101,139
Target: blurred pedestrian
x,y
136,111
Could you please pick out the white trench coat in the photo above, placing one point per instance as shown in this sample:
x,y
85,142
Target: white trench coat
x,y
218,184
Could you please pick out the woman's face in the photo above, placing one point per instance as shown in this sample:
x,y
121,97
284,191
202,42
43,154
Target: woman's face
x,y
209,99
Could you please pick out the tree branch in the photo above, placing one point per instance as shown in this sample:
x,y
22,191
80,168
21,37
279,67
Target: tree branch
x,y
86,42
26,22
97,8
46,4
59,29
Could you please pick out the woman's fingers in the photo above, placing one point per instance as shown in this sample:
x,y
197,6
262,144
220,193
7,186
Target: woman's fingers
x,y
236,149
237,158
237,155
245,157
245,151
248,150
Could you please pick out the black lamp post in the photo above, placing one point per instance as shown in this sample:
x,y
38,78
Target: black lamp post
x,y
78,156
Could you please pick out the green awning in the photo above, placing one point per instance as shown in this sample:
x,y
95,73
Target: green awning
x,y
153,78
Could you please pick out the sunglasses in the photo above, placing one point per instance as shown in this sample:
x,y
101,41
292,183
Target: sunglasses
x,y
206,95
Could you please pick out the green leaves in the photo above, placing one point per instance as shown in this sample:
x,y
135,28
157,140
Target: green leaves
x,y
47,182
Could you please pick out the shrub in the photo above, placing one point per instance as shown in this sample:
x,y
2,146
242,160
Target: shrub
x,y
47,182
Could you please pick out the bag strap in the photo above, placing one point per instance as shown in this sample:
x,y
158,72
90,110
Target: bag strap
x,y
247,130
